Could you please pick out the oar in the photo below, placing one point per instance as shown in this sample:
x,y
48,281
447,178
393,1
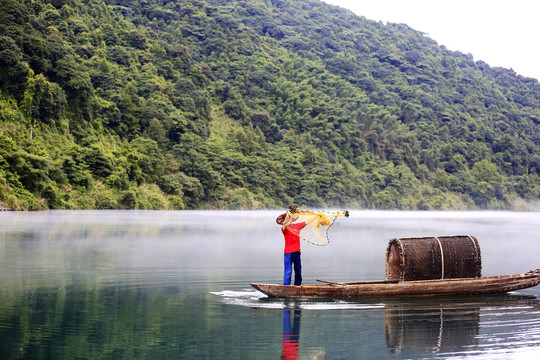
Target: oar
x,y
332,282
362,282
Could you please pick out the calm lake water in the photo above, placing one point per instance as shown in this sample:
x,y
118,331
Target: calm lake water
x,y
175,285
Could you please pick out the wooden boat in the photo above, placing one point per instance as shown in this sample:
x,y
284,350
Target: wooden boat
x,y
439,287
431,266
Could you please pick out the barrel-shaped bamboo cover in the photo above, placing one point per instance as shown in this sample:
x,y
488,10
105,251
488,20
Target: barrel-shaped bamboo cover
x,y
430,258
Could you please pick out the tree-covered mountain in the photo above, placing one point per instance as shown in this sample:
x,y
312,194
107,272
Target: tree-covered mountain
x,y
155,104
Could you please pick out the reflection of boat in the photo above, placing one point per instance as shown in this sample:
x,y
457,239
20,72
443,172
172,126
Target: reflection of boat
x,y
449,325
436,266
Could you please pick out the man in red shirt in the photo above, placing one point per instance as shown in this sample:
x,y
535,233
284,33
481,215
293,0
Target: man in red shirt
x,y
291,232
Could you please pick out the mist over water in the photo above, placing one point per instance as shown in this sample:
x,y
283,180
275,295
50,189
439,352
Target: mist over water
x,y
175,284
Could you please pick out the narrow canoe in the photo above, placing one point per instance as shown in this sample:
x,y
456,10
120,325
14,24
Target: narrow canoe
x,y
445,287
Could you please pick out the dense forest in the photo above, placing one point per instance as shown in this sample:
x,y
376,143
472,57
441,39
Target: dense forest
x,y
252,104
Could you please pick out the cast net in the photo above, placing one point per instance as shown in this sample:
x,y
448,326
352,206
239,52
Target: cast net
x,y
316,226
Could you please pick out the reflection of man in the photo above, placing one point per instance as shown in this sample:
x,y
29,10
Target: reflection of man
x,y
291,258
290,337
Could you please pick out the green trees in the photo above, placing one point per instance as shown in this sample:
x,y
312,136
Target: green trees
x,y
202,104
13,71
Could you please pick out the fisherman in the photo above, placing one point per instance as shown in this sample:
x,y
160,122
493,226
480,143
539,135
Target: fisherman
x,y
291,233
312,223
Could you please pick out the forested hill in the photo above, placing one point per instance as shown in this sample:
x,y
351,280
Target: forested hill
x,y
247,104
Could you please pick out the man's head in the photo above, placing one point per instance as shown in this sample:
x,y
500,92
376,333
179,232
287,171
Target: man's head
x,y
289,220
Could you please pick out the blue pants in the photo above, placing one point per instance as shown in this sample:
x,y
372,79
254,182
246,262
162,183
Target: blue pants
x,y
290,260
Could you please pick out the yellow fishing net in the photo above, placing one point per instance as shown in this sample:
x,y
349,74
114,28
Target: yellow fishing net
x,y
317,223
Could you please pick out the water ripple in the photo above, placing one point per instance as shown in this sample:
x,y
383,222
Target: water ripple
x,y
254,299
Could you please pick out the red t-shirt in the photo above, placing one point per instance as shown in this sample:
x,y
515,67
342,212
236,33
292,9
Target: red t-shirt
x,y
292,237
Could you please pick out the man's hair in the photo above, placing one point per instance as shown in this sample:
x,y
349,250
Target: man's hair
x,y
292,208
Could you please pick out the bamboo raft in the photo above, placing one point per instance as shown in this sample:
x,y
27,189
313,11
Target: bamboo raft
x,y
435,266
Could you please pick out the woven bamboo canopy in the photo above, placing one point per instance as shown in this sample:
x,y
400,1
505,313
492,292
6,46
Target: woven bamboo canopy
x,y
430,258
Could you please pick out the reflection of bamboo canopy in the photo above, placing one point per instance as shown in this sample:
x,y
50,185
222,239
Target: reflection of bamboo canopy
x,y
449,325
430,328
444,257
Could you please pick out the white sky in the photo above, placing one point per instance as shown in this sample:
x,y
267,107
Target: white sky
x,y
503,33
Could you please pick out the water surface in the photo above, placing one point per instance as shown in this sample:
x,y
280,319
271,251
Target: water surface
x,y
175,285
